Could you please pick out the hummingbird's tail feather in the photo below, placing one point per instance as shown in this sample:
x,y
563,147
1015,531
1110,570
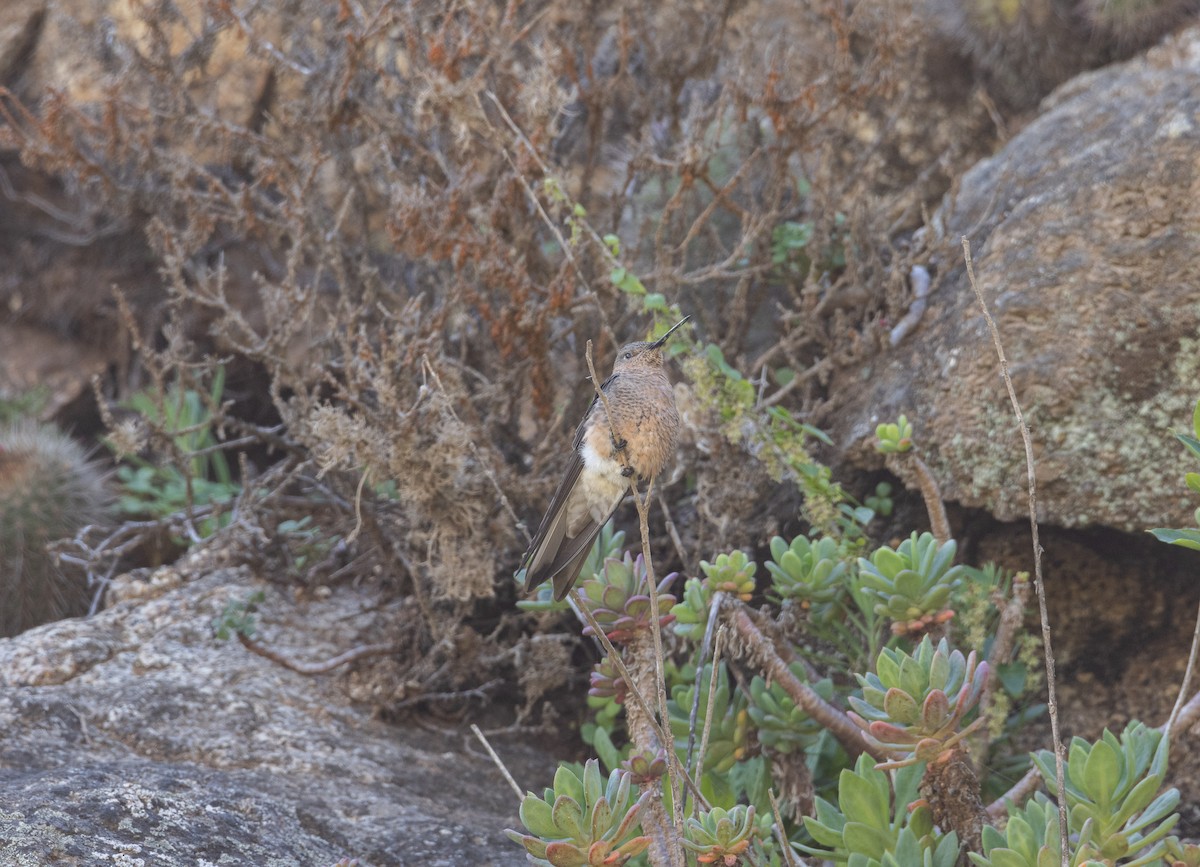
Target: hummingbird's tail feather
x,y
566,577
562,561
544,549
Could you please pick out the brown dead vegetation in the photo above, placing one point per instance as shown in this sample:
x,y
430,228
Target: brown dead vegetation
x,y
384,220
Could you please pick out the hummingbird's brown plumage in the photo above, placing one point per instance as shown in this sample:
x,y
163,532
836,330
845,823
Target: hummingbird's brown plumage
x,y
640,440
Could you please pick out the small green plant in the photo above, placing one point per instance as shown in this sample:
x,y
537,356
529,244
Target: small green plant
x,y
691,613
813,572
880,502
731,573
1113,793
782,725
203,479
894,437
237,618
720,836
872,826
729,733
305,542
914,705
1186,538
582,820
912,583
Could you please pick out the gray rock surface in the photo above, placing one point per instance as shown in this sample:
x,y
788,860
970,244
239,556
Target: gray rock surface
x,y
1085,230
137,738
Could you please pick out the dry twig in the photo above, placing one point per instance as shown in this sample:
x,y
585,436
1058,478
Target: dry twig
x,y
1039,584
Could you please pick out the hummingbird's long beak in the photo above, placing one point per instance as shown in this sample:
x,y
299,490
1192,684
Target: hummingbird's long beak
x,y
656,344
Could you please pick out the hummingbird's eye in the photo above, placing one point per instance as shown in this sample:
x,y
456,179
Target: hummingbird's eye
x,y
628,355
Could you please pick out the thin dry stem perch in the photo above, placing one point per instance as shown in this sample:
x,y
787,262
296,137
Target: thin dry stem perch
x,y
1052,698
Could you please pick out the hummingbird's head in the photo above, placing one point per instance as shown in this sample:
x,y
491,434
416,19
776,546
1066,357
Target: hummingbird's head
x,y
645,353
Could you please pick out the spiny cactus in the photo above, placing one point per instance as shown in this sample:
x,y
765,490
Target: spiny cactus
x,y
48,490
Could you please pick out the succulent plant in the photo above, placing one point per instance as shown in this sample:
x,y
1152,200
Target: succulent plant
x,y
729,735
582,821
607,682
913,582
812,572
869,827
608,545
1180,854
1029,839
1187,537
646,766
48,490
914,705
895,437
720,836
691,614
782,724
1113,793
732,573
619,598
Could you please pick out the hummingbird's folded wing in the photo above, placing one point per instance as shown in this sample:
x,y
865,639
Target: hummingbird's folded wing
x,y
552,554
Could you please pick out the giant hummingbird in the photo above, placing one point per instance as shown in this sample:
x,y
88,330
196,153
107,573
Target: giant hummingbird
x,y
607,452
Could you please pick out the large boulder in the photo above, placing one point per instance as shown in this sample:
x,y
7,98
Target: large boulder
x,y
136,737
1085,230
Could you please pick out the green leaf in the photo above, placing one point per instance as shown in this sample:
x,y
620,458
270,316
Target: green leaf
x,y
655,301
568,817
888,562
536,816
1102,772
566,783
593,786
912,676
860,801
1191,442
866,840
901,707
1183,538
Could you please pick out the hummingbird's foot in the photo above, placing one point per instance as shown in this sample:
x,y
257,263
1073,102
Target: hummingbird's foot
x,y
627,471
619,444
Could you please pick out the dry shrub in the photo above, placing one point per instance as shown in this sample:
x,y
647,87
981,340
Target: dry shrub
x,y
397,231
